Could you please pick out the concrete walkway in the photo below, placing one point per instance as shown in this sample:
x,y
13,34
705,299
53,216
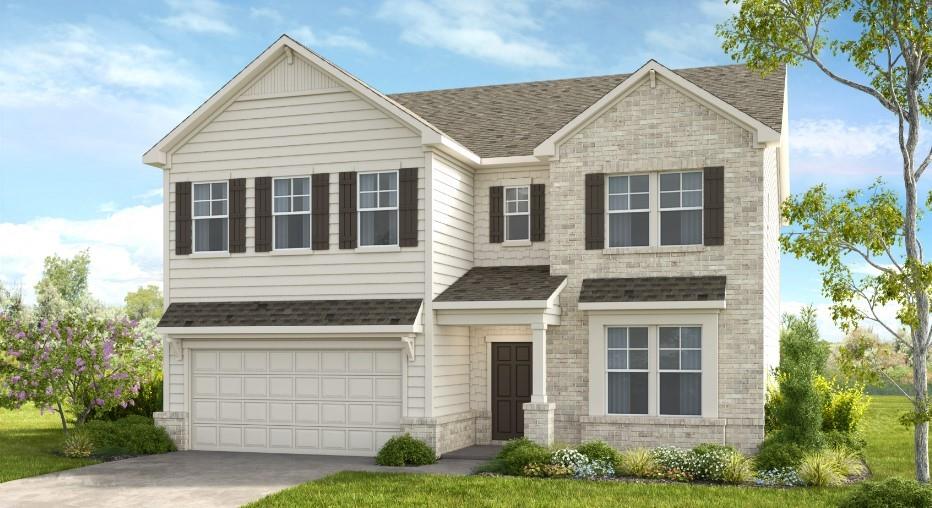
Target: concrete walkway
x,y
192,479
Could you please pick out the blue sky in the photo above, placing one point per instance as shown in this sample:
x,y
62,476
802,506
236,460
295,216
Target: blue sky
x,y
86,88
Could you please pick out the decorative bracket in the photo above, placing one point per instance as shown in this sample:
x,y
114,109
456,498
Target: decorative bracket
x,y
408,340
175,351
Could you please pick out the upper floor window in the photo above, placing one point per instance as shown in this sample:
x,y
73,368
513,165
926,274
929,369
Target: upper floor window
x,y
210,217
292,212
517,213
681,208
378,208
627,368
680,370
628,211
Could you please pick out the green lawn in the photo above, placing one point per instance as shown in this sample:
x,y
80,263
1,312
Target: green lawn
x,y
29,442
889,453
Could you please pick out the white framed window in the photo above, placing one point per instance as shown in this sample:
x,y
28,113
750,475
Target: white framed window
x,y
681,208
291,211
210,207
628,210
627,370
517,213
680,370
378,208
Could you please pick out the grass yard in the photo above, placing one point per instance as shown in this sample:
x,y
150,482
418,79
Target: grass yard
x,y
29,442
889,453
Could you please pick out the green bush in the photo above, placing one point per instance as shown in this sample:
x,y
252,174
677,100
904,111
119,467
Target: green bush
x,y
638,462
777,453
405,451
843,408
820,469
709,460
675,464
854,442
546,471
847,462
148,401
517,454
738,469
892,493
77,445
600,451
133,435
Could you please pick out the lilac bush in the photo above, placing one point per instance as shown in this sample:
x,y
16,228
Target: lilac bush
x,y
74,366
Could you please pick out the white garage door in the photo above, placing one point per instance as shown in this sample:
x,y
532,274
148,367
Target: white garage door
x,y
345,402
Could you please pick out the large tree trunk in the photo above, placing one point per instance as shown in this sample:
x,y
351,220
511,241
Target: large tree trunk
x,y
922,428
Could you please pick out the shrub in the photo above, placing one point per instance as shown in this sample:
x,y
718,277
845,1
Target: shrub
x,y
516,454
778,477
147,401
820,469
847,462
738,469
674,463
405,451
709,460
891,493
129,436
843,408
835,439
802,357
776,453
77,445
600,451
546,471
638,462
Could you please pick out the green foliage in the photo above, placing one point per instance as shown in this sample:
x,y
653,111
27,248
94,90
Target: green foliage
x,y
819,469
405,451
547,471
891,493
847,462
676,464
63,289
709,460
843,408
738,469
77,445
147,401
145,302
638,462
516,454
777,453
797,413
600,451
133,435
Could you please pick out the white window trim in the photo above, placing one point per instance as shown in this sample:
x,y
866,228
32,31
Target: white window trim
x,y
627,362
660,210
360,209
599,322
310,222
651,207
527,214
194,217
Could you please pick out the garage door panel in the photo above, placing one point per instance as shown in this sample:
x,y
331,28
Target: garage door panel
x,y
301,401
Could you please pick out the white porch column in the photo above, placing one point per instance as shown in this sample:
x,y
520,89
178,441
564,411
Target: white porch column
x,y
539,364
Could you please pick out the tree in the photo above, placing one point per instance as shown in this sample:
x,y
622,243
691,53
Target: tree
x,y
11,302
892,52
63,287
145,302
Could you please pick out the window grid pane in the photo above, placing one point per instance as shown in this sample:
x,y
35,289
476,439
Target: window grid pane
x,y
681,208
210,216
628,211
627,370
378,208
517,213
680,377
292,210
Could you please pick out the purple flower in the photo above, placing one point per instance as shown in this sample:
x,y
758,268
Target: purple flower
x,y
21,396
48,390
117,393
14,354
123,404
108,349
57,371
99,402
15,379
21,335
79,362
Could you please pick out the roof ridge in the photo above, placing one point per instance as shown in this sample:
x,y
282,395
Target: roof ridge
x,y
558,80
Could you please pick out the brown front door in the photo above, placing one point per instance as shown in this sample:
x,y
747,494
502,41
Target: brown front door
x,y
511,387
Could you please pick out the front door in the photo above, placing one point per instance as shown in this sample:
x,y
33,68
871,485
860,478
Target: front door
x,y
511,388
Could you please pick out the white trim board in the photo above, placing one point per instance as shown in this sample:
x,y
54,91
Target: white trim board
x,y
678,305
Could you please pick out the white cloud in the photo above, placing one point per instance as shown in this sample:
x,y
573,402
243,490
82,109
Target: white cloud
x,y
836,138
125,249
266,13
308,37
498,32
688,44
202,16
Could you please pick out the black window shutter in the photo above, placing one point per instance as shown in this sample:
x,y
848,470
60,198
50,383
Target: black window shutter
x,y
407,207
237,222
264,214
182,218
348,210
496,214
595,211
320,211
713,206
538,203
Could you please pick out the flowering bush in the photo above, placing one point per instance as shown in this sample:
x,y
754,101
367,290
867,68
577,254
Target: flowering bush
x,y
546,471
78,365
708,461
674,463
580,465
778,477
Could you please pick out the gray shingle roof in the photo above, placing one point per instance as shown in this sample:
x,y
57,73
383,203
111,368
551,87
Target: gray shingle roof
x,y
508,120
500,283
292,313
653,289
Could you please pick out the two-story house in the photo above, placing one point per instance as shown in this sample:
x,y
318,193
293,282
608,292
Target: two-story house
x,y
591,258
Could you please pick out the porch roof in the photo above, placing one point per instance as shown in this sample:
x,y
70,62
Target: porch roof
x,y
503,283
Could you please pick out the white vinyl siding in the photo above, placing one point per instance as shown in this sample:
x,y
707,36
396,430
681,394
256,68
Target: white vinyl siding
x,y
450,370
323,131
453,222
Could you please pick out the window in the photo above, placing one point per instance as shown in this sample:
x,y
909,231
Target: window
x,y
681,208
627,370
378,208
517,213
628,211
210,217
292,212
680,367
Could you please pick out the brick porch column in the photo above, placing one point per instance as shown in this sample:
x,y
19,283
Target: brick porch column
x,y
538,413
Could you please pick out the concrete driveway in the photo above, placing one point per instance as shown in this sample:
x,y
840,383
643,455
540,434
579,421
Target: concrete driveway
x,y
191,479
